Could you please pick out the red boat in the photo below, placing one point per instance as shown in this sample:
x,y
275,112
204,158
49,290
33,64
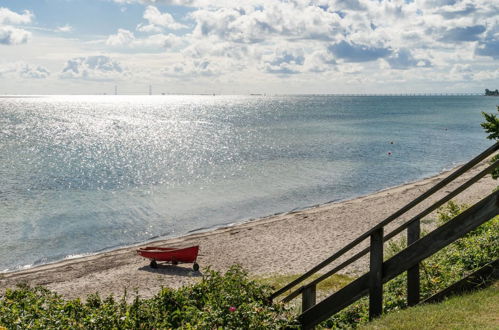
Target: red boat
x,y
172,255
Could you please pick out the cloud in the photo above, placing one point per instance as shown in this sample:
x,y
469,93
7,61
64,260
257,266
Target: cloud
x,y
158,20
10,35
149,28
190,69
23,70
319,61
452,12
266,40
488,48
37,72
13,36
467,33
64,28
402,59
352,52
349,4
98,67
283,62
461,72
6,69
254,24
9,17
127,40
187,3
200,48
121,38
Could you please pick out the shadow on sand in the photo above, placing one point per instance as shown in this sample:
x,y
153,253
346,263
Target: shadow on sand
x,y
167,269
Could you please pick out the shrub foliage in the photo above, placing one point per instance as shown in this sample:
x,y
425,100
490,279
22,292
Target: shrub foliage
x,y
439,271
491,126
233,301
219,301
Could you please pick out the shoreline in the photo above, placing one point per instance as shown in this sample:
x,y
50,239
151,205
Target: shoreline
x,y
201,230
284,243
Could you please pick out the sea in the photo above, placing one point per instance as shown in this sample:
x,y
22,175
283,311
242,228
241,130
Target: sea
x,y
85,174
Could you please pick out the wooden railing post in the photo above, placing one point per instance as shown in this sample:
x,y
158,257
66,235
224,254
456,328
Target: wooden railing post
x,y
413,285
308,297
376,274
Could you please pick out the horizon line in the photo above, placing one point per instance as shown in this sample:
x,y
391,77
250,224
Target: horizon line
x,y
259,94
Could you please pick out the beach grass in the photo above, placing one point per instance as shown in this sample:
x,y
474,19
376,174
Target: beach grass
x,y
477,310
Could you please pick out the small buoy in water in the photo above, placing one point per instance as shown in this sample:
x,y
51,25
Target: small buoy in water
x,y
391,142
389,153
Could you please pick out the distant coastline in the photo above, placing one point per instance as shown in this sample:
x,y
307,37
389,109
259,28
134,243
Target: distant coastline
x,y
491,93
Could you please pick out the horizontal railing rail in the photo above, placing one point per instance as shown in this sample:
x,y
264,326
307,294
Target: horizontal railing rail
x,y
307,290
396,231
381,272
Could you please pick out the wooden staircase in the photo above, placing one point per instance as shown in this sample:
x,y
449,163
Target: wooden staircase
x,y
408,259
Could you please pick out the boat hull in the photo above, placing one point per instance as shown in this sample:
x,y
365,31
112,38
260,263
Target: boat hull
x,y
173,255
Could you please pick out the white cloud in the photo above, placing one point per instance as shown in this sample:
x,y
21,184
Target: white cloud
x,y
204,67
486,75
37,72
10,35
248,24
303,41
23,70
157,20
98,67
7,69
148,28
163,2
402,59
284,62
121,38
13,36
65,28
9,17
125,39
167,41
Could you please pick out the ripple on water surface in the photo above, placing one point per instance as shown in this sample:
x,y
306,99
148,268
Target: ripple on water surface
x,y
79,174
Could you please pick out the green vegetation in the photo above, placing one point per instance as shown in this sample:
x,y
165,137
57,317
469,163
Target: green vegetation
x,y
491,126
477,310
491,93
332,283
235,301
219,301
444,268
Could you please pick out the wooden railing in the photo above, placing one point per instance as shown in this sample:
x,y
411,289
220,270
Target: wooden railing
x,y
407,260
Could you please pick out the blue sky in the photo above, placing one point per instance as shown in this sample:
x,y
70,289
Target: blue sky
x,y
252,46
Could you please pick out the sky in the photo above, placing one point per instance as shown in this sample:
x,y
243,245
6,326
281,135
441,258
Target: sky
x,y
251,46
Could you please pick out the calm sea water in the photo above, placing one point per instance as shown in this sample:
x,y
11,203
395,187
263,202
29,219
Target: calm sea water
x,y
81,174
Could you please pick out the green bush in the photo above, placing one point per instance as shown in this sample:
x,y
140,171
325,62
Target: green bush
x,y
444,268
233,301
218,301
491,126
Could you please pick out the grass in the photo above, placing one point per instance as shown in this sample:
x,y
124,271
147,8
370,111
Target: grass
x,y
444,268
332,283
477,310
324,288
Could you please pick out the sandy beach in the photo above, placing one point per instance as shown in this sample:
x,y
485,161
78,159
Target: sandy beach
x,y
288,243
